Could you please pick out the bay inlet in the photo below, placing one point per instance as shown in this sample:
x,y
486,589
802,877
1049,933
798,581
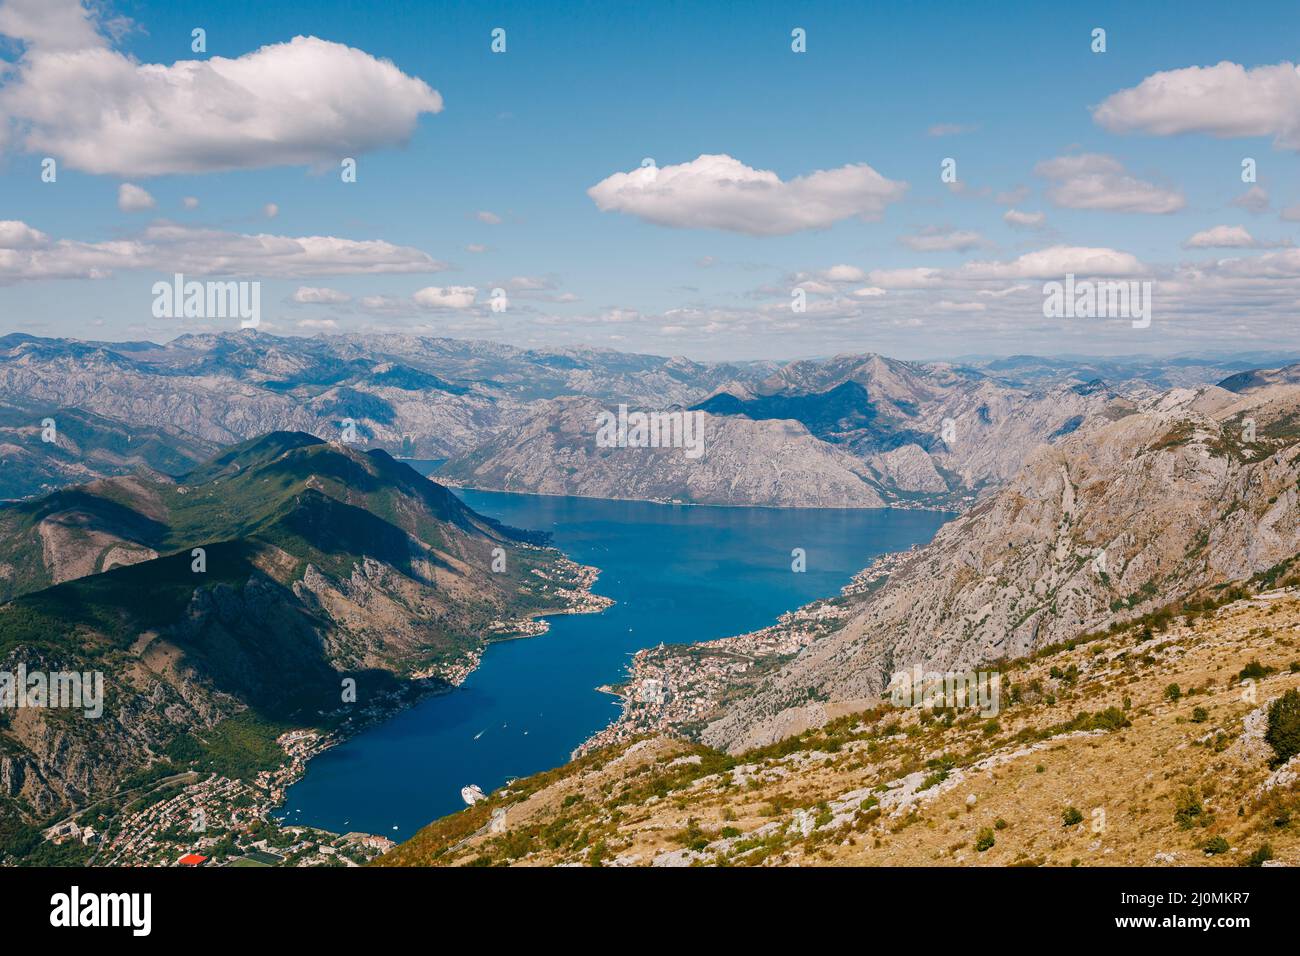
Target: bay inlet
x,y
677,574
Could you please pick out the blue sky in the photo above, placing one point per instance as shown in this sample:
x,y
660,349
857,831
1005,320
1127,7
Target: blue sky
x,y
493,189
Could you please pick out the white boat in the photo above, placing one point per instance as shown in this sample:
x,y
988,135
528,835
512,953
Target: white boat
x,y
472,794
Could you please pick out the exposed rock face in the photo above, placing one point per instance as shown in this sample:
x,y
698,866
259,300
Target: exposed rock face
x,y
1116,520
881,432
963,432
776,463
1255,379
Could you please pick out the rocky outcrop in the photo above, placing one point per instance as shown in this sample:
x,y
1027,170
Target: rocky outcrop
x,y
741,461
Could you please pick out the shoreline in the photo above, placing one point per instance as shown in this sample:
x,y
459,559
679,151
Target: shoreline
x,y
449,685
681,683
896,506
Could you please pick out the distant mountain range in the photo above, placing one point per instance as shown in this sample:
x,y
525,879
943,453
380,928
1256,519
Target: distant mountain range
x,y
877,430
855,431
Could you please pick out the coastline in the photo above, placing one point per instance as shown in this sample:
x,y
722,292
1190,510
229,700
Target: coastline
x,y
674,685
892,506
593,604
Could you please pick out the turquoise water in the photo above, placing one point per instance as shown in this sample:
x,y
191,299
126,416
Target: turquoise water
x,y
678,573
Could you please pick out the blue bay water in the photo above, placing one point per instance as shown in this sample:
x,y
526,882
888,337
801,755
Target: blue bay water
x,y
677,573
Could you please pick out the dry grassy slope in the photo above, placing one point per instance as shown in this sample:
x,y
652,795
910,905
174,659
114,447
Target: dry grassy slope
x,y
869,788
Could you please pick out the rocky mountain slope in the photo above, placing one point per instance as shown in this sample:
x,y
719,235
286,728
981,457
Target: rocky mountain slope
x,y
775,463
1166,742
285,579
83,446
933,431
1122,517
852,431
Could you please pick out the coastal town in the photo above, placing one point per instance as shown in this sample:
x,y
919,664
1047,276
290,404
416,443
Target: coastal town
x,y
207,819
674,686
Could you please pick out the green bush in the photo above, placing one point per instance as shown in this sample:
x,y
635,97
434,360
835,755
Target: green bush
x,y
985,840
1071,816
1260,856
1200,715
1283,733
1254,671
1216,845
1173,692
1187,808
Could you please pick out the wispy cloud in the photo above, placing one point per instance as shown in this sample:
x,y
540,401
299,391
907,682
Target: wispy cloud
x,y
1097,181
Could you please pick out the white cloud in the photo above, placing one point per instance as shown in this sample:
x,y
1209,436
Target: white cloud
x,y
1056,261
102,112
541,288
1270,265
919,277
1224,100
317,324
19,235
941,239
26,253
1221,237
451,297
50,24
270,210
843,273
476,248
1097,181
190,202
311,295
1023,220
719,192
132,198
1254,200
946,306
487,216
529,283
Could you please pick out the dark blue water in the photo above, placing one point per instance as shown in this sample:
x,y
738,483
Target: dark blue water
x,y
678,573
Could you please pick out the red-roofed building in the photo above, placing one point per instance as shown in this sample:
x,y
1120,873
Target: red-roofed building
x,y
192,859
